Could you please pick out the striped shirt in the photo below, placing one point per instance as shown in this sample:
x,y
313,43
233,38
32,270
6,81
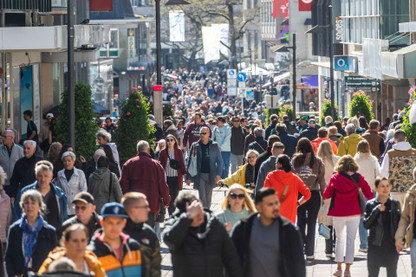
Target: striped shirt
x,y
170,172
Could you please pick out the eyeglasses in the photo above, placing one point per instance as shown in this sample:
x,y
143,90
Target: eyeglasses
x,y
82,208
234,196
252,157
203,133
168,140
236,121
142,207
7,136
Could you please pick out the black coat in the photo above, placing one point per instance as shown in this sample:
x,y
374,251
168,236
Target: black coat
x,y
373,221
260,159
291,246
259,144
23,174
14,253
203,251
310,133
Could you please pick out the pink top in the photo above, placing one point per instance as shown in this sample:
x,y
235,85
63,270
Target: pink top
x,y
346,195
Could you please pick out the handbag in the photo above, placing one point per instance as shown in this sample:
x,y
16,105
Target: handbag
x,y
174,163
193,163
324,231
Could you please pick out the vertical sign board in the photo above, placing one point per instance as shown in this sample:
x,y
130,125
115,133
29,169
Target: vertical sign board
x,y
232,82
338,23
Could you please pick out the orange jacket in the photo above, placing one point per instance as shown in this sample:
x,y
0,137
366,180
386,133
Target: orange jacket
x,y
278,180
317,142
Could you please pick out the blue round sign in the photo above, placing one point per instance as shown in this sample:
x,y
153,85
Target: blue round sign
x,y
241,77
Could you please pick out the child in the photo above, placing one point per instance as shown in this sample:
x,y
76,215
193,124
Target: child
x,y
382,217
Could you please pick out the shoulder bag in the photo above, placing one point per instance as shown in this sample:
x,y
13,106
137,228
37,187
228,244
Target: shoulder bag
x,y
193,163
361,198
172,162
110,189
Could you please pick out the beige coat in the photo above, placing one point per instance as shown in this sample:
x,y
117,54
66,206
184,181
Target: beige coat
x,y
405,230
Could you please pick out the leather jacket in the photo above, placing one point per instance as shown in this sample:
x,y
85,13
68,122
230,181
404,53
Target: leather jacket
x,y
373,220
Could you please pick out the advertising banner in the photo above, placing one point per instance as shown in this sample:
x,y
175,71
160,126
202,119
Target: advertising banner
x,y
305,5
176,26
210,40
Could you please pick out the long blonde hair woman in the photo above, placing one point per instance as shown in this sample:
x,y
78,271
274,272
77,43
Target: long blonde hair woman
x,y
330,160
237,205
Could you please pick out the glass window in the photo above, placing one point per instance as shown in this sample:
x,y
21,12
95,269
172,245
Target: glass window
x,y
111,49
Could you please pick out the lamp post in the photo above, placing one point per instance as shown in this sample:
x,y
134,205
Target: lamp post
x,y
286,49
71,92
157,92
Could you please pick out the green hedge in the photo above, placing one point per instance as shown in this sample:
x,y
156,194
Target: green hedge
x,y
361,105
326,110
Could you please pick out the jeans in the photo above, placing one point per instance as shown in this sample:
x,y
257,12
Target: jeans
x,y
363,232
205,189
382,256
307,215
413,257
151,219
346,230
236,161
173,191
225,155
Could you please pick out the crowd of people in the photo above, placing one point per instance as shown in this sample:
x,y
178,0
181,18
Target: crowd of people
x,y
60,212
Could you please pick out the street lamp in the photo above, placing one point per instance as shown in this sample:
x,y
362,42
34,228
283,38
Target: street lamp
x,y
285,48
321,29
157,93
71,92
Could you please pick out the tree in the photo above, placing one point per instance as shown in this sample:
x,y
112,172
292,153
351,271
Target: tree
x,y
361,105
326,110
133,125
85,126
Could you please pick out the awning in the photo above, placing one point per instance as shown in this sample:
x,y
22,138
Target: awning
x,y
277,79
312,81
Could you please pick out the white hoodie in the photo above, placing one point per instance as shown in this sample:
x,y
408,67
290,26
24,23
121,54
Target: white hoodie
x,y
369,167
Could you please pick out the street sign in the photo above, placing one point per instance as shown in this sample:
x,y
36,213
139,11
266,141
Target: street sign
x,y
359,81
241,77
157,88
249,94
241,84
232,82
232,91
231,74
345,63
241,92
302,87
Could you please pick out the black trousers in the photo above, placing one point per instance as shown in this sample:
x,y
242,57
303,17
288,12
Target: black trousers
x,y
307,215
173,191
382,256
330,243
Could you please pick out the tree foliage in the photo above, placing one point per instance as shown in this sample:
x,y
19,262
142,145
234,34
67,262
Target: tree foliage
x,y
361,105
406,126
85,126
326,110
133,125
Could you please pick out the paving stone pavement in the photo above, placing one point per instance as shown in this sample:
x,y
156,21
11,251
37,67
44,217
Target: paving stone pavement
x,y
320,267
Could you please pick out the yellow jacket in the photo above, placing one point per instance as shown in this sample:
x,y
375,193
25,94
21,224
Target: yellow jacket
x,y
238,177
348,145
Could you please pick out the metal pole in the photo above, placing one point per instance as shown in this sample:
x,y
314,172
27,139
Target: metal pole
x,y
331,64
71,92
294,76
157,95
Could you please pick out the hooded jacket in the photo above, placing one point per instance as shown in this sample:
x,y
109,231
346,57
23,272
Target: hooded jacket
x,y
266,167
405,231
131,263
316,142
346,195
291,246
222,136
99,187
94,265
278,180
348,145
203,251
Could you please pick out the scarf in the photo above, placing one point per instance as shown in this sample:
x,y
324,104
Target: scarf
x,y
30,236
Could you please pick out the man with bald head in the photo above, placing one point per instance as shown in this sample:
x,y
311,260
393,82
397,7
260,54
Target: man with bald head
x,y
10,152
209,163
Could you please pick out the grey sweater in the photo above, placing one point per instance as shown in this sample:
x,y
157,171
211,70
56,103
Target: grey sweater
x,y
8,162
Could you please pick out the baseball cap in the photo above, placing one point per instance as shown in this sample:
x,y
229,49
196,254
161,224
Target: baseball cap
x,y
305,117
84,197
49,115
220,118
113,209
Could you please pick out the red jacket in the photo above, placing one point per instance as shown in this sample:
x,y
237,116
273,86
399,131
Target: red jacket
x,y
317,142
146,175
346,195
278,180
163,158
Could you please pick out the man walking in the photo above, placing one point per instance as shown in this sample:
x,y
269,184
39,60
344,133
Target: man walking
x,y
145,175
238,135
376,143
192,131
269,245
222,135
209,164
348,144
269,165
10,153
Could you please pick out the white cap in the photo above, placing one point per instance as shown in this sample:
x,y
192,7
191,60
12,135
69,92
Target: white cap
x,y
49,115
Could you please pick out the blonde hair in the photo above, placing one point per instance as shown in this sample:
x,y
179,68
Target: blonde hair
x,y
346,163
43,165
363,147
325,153
247,204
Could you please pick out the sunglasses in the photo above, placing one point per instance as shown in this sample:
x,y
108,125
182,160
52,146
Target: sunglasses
x,y
234,196
253,157
169,140
203,133
236,121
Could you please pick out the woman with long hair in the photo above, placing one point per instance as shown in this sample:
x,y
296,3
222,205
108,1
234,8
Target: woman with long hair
x,y
54,150
312,171
109,154
237,205
288,186
370,169
74,246
345,209
173,162
30,238
327,156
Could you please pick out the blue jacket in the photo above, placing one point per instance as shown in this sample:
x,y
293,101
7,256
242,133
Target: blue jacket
x,y
46,242
60,197
222,136
289,142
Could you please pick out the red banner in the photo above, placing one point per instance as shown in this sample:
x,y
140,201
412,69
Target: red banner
x,y
305,5
282,7
101,5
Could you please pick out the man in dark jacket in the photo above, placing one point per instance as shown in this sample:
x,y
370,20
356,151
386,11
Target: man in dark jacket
x,y
269,165
290,142
238,135
291,129
84,213
24,169
265,155
199,244
259,144
268,244
273,121
137,208
311,132
209,164
146,175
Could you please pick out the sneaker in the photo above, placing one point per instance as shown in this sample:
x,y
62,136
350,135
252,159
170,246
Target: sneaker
x,y
364,250
310,257
338,273
347,273
328,255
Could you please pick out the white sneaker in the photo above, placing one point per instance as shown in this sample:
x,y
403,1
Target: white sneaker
x,y
364,250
